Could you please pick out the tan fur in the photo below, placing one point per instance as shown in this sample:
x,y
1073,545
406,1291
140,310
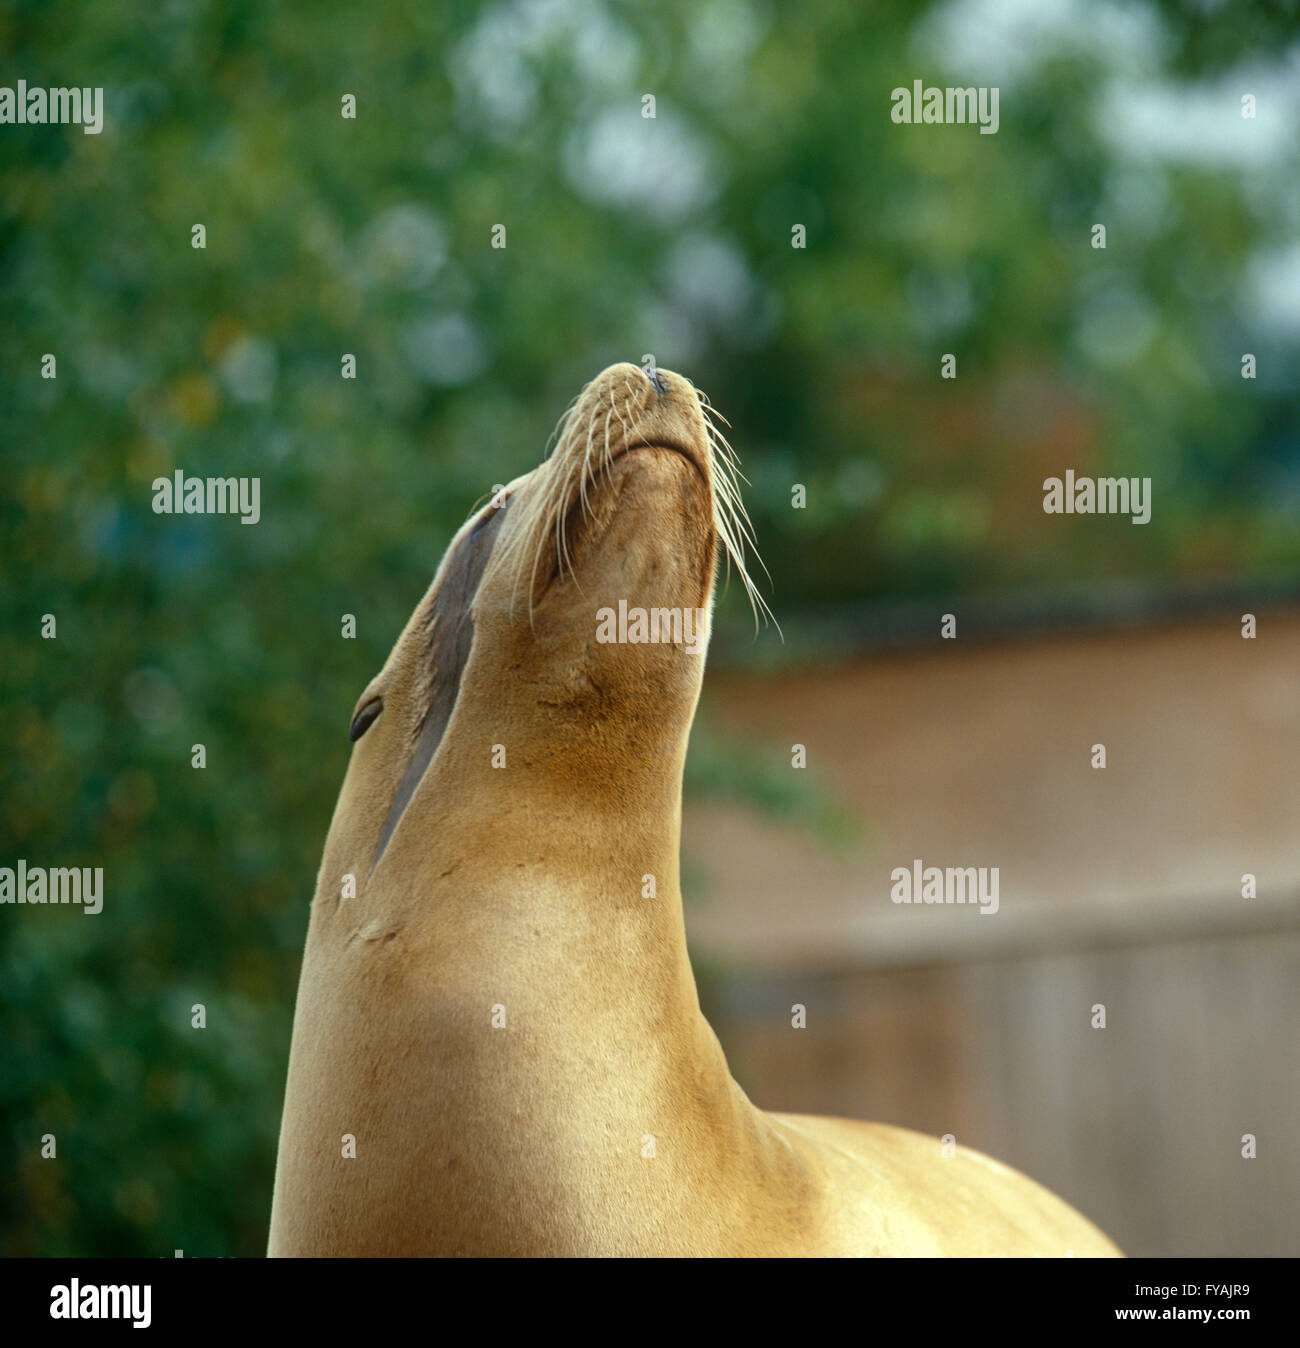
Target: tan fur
x,y
521,887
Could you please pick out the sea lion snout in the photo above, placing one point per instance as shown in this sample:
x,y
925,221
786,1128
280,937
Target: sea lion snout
x,y
647,408
568,512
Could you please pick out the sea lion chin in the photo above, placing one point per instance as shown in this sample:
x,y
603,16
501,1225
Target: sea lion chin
x,y
498,1047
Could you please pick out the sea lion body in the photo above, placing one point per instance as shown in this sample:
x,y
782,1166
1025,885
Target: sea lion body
x,y
498,1047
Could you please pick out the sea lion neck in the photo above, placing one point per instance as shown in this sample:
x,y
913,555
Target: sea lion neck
x,y
503,804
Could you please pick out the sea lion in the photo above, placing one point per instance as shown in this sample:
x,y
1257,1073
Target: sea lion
x,y
498,1047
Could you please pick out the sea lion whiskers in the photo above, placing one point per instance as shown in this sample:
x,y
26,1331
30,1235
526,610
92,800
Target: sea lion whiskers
x,y
585,476
582,453
582,468
534,525
585,447
564,480
563,417
731,519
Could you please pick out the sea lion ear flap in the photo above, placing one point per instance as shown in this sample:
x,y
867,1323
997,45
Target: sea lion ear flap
x,y
367,710
363,720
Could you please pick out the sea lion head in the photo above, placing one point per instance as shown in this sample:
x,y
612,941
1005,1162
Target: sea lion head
x,y
564,633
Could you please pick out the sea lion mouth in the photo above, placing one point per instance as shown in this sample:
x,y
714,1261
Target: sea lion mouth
x,y
589,516
671,446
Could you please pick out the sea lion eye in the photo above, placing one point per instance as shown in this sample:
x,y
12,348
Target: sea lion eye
x,y
365,718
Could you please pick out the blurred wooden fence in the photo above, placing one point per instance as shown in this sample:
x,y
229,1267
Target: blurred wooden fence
x,y
1119,887
1139,1124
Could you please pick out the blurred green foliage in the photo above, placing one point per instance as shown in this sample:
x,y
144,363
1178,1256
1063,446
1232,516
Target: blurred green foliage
x,y
626,236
